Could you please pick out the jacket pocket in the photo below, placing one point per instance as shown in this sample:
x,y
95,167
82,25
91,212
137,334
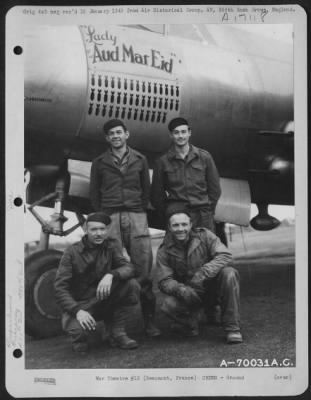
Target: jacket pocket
x,y
172,175
197,166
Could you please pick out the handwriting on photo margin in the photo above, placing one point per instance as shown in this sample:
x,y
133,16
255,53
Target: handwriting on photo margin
x,y
244,17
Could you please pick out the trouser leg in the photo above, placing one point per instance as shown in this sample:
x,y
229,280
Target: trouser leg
x,y
137,241
228,285
221,233
123,309
124,294
147,298
131,231
121,313
211,303
118,307
179,312
72,327
148,307
202,217
114,228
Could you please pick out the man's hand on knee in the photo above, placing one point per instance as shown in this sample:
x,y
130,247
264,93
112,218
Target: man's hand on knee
x,y
104,287
86,320
197,283
188,295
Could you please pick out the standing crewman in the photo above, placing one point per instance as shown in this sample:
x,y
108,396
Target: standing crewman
x,y
186,174
193,266
120,186
95,282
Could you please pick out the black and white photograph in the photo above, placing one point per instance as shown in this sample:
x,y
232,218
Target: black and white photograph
x,y
157,167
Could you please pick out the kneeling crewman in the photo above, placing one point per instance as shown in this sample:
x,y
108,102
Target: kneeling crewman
x,y
193,266
93,282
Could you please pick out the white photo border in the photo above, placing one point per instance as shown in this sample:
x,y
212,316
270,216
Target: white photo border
x,y
62,383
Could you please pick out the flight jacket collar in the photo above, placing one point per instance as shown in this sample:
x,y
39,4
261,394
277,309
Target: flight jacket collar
x,y
85,245
107,157
172,247
193,153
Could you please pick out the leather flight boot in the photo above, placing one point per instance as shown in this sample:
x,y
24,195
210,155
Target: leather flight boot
x,y
123,342
118,336
234,337
150,328
80,348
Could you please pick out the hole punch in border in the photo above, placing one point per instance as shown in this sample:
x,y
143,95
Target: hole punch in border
x,y
18,201
17,353
18,50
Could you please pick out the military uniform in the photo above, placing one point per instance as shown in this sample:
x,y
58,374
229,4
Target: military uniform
x,y
121,188
81,268
192,180
190,274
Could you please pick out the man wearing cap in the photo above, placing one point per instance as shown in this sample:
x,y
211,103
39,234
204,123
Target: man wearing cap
x,y
120,186
193,266
186,174
95,282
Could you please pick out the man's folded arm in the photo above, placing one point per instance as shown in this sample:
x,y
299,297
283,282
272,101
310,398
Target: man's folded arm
x,y
221,257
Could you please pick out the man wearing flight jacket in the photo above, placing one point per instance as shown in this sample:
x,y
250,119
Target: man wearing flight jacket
x,y
120,186
95,282
186,174
194,268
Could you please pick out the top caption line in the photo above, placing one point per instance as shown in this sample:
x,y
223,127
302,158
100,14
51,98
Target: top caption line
x,y
224,14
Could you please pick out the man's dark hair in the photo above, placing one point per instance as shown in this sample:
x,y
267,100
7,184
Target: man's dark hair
x,y
112,123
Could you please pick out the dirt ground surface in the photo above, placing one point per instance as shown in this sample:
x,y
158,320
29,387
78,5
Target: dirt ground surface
x,y
266,263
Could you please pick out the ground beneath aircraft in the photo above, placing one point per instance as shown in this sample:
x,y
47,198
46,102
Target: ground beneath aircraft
x,y
266,262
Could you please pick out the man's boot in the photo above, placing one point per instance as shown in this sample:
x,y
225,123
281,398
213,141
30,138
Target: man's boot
x,y
150,328
80,348
119,337
123,342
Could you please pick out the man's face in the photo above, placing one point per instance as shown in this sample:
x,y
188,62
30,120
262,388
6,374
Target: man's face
x,y
180,135
180,226
96,232
117,137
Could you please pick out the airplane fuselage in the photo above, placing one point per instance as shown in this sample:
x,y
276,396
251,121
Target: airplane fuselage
x,y
235,90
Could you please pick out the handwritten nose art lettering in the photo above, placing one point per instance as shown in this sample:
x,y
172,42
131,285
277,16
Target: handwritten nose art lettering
x,y
105,47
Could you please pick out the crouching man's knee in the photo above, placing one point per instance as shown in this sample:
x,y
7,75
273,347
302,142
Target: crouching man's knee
x,y
229,275
170,305
73,328
131,291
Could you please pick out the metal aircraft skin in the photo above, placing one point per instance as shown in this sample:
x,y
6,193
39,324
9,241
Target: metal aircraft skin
x,y
235,88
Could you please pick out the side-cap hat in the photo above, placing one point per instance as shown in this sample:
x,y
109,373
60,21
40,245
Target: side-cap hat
x,y
112,123
99,217
177,208
176,122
